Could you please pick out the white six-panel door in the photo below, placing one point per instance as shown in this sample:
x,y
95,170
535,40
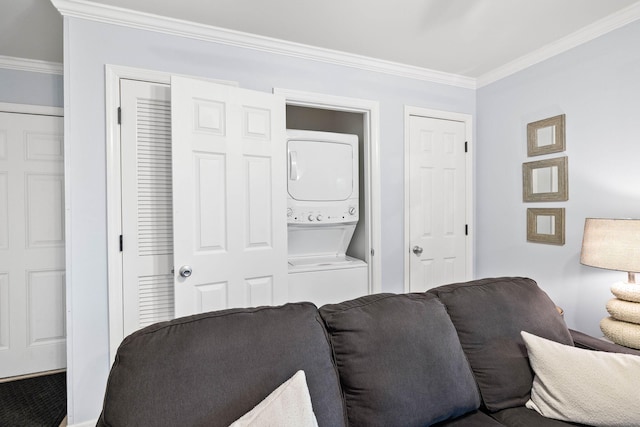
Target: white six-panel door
x,y
437,198
229,197
32,266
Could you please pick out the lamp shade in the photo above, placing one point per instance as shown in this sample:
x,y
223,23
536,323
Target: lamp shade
x,y
613,244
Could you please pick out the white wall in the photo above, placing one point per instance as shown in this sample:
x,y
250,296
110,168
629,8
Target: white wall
x,y
597,86
26,87
88,47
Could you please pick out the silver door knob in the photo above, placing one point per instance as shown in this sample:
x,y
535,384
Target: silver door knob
x,y
417,250
185,271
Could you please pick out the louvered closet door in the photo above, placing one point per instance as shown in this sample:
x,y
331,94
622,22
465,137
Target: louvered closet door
x,y
147,218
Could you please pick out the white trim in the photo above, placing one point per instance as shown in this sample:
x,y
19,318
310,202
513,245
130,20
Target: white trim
x,y
372,141
152,76
114,221
32,65
583,35
467,119
69,279
41,110
91,423
130,18
120,16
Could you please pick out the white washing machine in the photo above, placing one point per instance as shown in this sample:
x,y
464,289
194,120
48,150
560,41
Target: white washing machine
x,y
322,214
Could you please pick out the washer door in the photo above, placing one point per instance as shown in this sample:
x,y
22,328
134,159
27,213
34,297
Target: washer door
x,y
319,240
320,170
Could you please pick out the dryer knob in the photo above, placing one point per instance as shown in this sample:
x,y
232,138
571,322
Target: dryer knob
x,y
310,217
289,212
352,210
319,217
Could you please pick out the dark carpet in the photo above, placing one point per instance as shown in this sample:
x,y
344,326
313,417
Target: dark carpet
x,y
34,402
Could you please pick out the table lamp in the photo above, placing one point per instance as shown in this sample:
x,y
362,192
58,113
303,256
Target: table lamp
x,y
614,244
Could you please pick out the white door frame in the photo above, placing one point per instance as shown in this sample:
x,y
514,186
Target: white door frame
x,y
41,110
467,119
113,74
370,110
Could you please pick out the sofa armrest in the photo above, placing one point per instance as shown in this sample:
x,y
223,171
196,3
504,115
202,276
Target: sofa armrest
x,y
587,342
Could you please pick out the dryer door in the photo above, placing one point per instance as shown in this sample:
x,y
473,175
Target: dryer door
x,y
320,170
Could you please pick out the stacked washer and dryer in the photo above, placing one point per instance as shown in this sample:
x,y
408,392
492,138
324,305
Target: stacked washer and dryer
x,y
322,215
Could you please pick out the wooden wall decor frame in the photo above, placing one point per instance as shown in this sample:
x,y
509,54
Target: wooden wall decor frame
x,y
546,136
531,173
546,225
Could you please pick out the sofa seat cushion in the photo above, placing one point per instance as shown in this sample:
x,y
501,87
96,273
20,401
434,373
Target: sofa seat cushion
x,y
524,417
212,368
400,361
488,315
471,419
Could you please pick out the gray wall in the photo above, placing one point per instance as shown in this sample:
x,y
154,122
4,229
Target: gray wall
x,y
597,86
88,47
24,87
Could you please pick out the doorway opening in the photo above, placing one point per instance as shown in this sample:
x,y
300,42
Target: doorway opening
x,y
320,112
306,110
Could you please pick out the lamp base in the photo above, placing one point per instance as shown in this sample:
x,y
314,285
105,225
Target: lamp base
x,y
626,291
626,311
623,333
623,327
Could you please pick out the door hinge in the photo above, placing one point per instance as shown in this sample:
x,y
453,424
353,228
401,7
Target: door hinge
x,y
121,243
466,146
466,229
119,115
373,252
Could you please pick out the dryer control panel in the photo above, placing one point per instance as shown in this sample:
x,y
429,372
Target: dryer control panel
x,y
322,215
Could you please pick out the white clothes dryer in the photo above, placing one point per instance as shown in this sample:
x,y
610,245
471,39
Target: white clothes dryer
x,y
322,178
322,214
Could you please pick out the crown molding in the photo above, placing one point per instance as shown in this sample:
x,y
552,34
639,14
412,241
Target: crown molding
x,y
125,17
603,26
89,10
33,65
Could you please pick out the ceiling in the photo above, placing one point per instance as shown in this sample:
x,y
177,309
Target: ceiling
x,y
463,37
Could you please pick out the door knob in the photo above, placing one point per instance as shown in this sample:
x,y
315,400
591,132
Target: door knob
x,y
185,271
417,250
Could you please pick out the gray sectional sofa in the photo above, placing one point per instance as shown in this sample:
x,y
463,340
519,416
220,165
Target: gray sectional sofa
x,y
452,356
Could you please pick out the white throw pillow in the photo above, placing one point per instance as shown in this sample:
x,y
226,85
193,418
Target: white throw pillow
x,y
287,406
588,387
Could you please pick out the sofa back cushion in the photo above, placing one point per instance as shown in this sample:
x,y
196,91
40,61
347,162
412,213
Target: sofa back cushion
x,y
212,368
488,315
400,361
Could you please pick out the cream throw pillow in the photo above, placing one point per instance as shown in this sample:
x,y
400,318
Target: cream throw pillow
x,y
588,387
287,406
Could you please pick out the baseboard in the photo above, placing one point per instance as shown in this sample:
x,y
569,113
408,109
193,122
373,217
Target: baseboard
x,y
32,375
84,424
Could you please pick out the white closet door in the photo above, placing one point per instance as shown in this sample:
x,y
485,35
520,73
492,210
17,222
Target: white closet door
x,y
437,191
147,219
229,197
32,267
